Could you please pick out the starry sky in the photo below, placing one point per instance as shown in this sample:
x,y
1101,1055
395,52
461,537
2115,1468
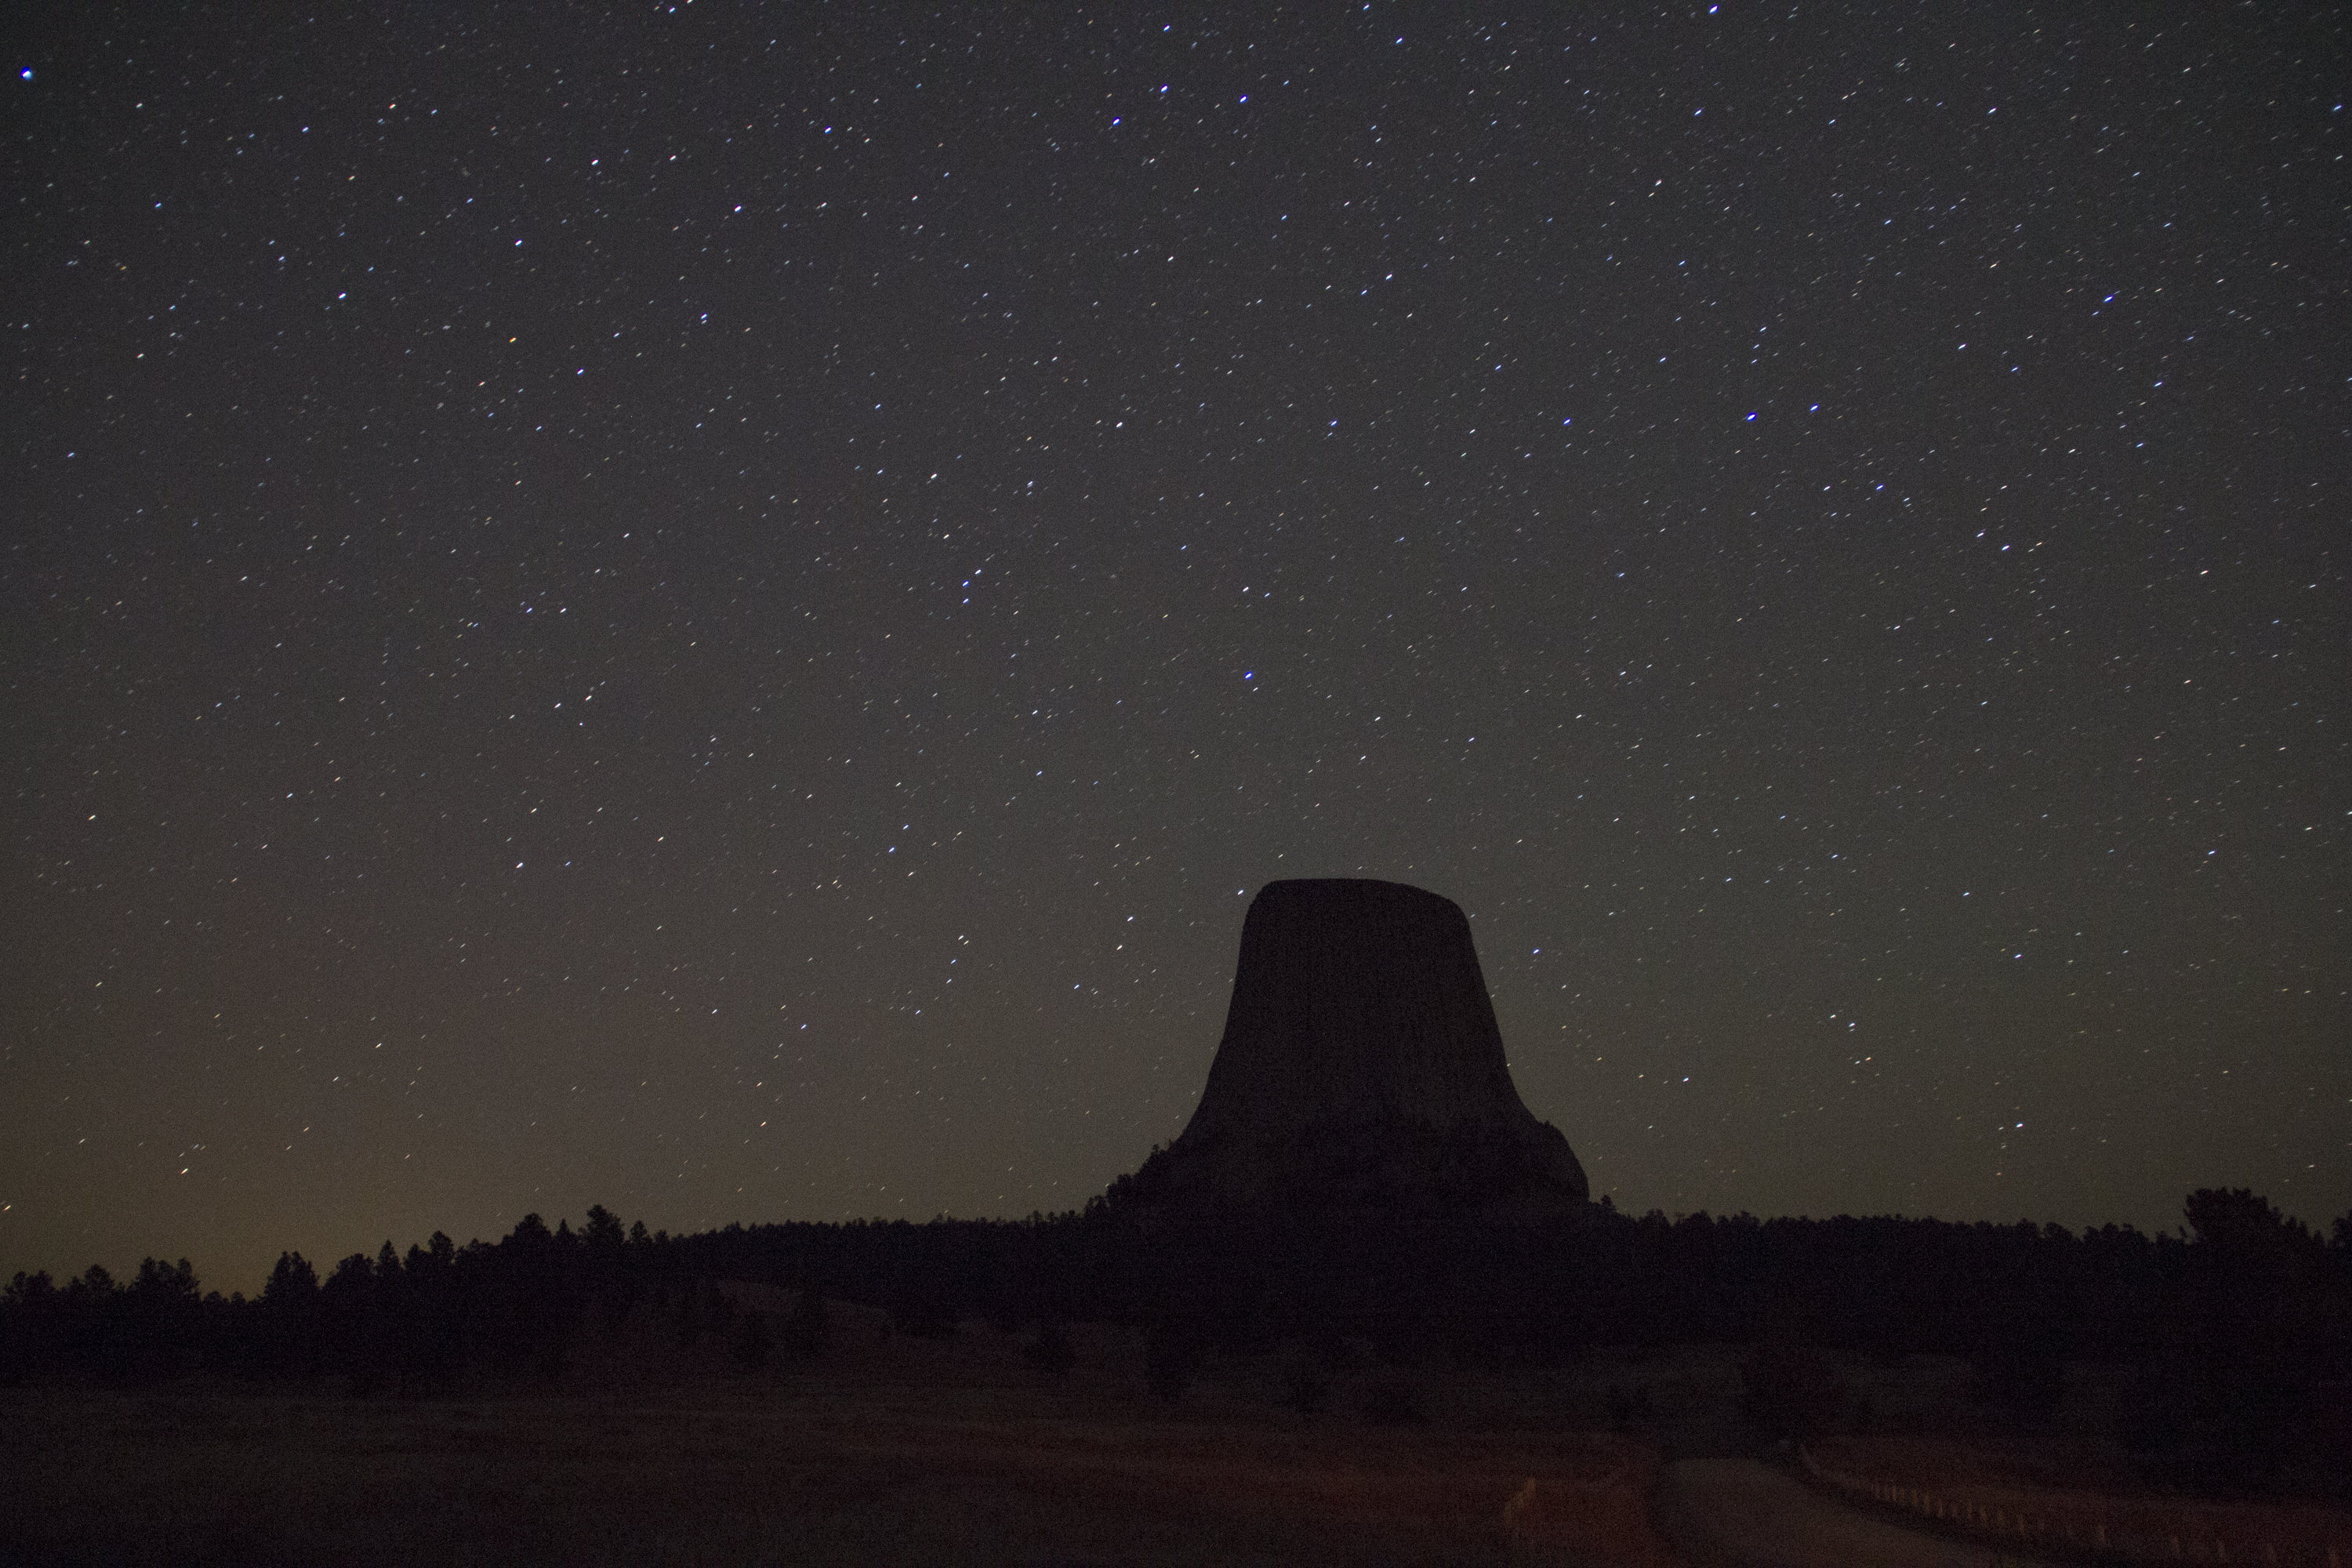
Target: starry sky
x,y
718,610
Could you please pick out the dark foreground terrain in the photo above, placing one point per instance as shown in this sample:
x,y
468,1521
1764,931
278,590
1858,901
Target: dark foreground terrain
x,y
969,1446
1107,1388
958,1447
965,1447
705,1478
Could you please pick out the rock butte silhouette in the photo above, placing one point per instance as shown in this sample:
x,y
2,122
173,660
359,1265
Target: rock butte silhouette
x,y
1360,1073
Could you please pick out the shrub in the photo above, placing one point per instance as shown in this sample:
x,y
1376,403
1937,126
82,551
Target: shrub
x,y
1394,1402
1305,1389
809,1329
1171,1358
1050,1351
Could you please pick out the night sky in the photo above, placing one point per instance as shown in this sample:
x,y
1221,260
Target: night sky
x,y
718,610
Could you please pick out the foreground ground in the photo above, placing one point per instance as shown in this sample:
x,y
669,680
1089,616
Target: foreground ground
x,y
961,1450
700,1479
741,1479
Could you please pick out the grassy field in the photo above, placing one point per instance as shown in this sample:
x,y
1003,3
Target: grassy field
x,y
702,1476
890,1449
960,1448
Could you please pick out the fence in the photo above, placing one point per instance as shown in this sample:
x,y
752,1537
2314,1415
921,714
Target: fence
x,y
2112,1529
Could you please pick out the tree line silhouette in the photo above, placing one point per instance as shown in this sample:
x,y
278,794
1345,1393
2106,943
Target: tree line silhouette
x,y
2240,1326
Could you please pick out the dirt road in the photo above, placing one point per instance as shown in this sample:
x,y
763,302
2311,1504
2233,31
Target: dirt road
x,y
1742,1513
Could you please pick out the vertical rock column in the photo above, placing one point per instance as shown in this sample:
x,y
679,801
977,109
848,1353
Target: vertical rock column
x,y
1362,1069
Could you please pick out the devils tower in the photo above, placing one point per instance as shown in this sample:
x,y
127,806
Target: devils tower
x,y
1360,1073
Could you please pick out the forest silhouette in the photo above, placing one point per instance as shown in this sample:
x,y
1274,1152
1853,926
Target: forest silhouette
x,y
2237,1331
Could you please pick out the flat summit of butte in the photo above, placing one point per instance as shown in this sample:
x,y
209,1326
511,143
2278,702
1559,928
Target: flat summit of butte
x,y
1361,1072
